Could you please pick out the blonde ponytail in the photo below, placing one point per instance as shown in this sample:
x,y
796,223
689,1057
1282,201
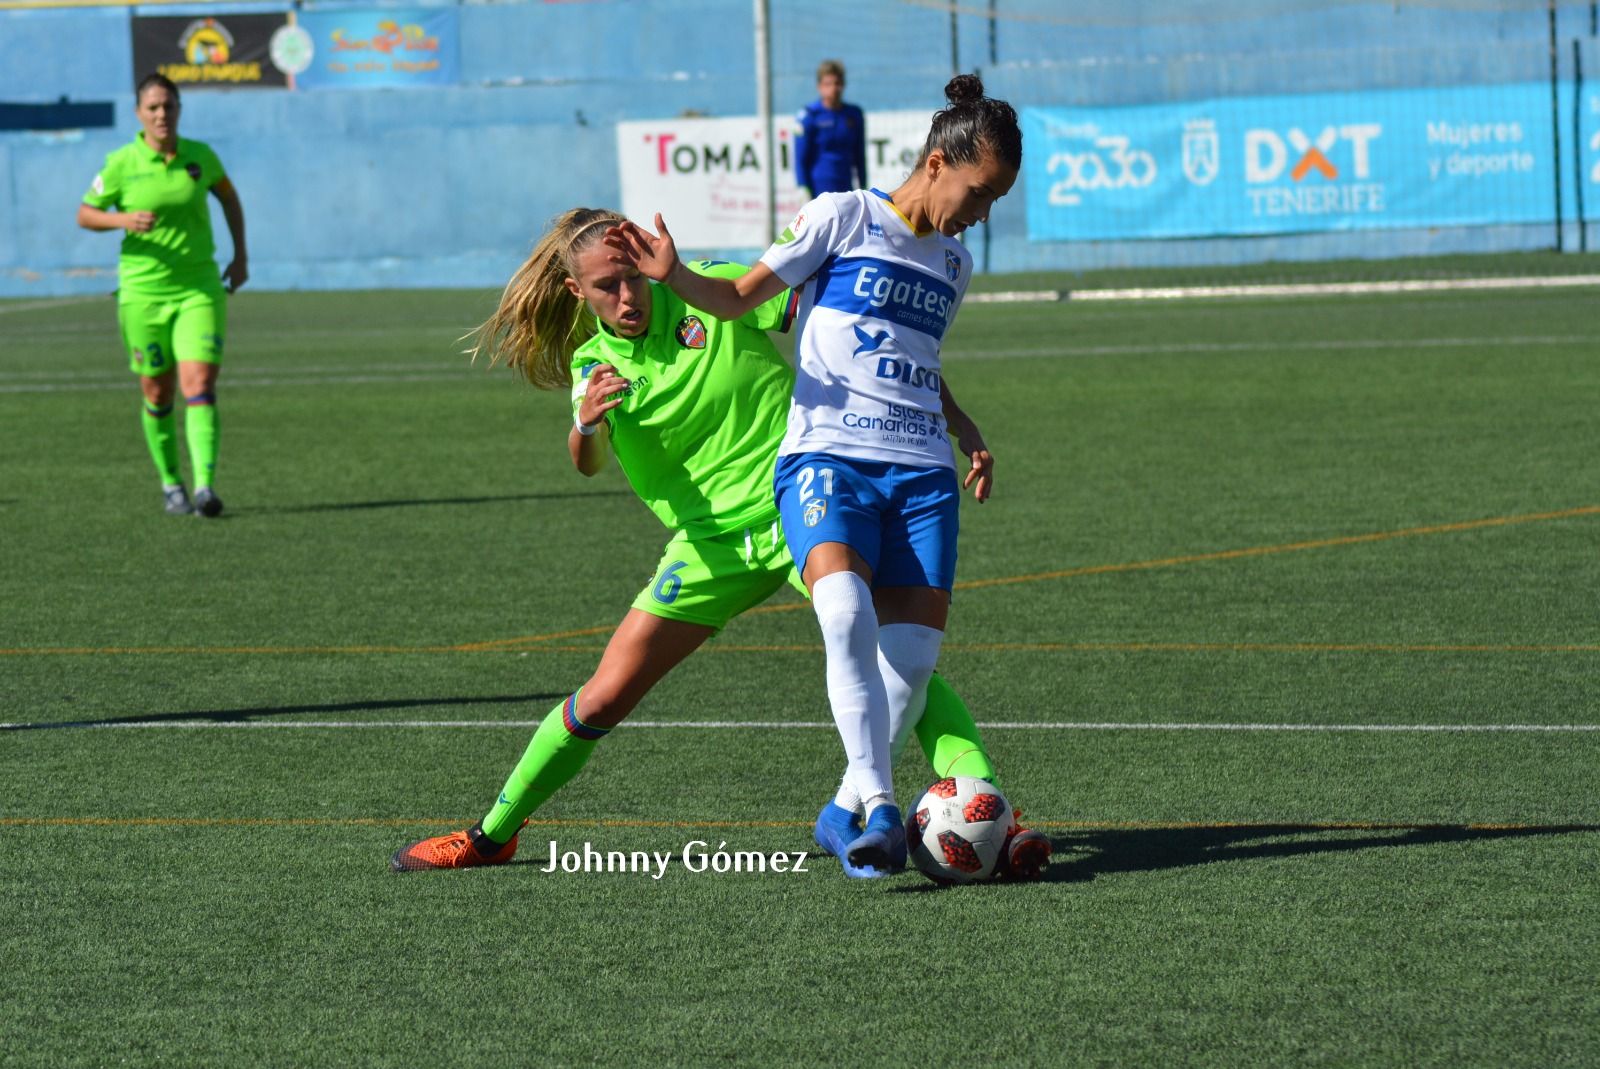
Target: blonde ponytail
x,y
539,323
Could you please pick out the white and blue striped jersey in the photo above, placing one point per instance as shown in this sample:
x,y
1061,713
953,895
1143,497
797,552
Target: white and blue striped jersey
x,y
876,303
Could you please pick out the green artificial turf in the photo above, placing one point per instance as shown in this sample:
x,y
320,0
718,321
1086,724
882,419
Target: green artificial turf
x,y
1258,517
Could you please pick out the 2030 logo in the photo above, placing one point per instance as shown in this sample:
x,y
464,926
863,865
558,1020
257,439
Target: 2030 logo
x,y
1113,163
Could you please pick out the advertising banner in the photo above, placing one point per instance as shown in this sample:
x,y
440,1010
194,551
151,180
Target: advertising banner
x,y
1589,120
1467,156
208,52
379,48
707,177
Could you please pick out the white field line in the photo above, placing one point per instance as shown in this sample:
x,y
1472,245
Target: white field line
x,y
115,373
372,373
53,302
1064,725
1287,289
1288,348
232,382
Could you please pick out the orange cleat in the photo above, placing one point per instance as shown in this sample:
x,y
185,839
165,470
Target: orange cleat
x,y
458,850
1026,852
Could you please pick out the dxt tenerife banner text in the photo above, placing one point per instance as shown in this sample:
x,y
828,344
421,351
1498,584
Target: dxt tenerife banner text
x,y
1266,165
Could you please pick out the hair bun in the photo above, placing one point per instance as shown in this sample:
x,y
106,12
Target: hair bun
x,y
963,89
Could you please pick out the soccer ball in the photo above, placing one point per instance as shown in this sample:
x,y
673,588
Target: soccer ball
x,y
956,831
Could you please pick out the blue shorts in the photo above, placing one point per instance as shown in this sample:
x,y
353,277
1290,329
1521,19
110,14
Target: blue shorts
x,y
901,520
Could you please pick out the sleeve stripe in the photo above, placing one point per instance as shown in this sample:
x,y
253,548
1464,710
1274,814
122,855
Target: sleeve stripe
x,y
790,307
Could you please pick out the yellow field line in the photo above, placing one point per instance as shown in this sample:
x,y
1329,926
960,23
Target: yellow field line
x,y
1291,547
1195,558
1261,647
516,644
1266,827
1141,647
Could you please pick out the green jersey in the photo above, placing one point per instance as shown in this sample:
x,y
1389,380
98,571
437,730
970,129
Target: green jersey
x,y
176,257
705,410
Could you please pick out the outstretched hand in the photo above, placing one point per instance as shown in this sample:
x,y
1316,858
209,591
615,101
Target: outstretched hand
x,y
981,474
980,477
631,244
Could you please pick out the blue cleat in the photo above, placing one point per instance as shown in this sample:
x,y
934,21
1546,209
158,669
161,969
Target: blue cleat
x,y
838,827
882,844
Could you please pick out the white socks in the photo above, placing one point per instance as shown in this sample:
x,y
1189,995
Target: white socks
x,y
906,655
843,603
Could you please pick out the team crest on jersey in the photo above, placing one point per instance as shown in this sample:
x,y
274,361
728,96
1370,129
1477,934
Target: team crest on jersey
x,y
790,231
193,169
952,265
691,333
98,185
816,508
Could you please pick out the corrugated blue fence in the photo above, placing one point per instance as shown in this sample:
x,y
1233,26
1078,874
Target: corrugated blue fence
x,y
448,186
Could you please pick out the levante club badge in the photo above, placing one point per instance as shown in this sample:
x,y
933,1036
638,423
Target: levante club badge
x,y
691,333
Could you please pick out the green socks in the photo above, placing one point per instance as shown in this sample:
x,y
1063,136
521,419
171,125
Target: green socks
x,y
161,435
562,745
949,736
200,427
560,748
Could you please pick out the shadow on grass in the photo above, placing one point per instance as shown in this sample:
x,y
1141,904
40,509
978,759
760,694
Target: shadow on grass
x,y
1081,856
240,716
400,503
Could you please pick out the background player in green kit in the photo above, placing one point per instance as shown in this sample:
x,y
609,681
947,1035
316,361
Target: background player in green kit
x,y
170,300
694,409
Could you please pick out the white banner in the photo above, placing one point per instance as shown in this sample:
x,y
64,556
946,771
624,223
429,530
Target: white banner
x,y
707,177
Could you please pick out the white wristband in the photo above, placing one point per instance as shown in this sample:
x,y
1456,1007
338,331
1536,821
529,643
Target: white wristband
x,y
588,430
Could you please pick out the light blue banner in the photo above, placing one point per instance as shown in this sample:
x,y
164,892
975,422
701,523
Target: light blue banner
x,y
1589,119
381,48
1467,156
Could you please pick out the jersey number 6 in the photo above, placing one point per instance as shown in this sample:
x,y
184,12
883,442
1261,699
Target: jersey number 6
x,y
667,587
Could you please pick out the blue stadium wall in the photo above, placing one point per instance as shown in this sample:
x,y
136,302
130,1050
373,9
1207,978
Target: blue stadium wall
x,y
449,187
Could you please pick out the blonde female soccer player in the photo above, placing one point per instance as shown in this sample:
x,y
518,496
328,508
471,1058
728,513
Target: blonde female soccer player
x,y
692,408
866,478
170,299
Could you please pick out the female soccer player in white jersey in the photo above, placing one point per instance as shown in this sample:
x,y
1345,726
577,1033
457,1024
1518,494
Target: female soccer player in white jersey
x,y
865,478
692,408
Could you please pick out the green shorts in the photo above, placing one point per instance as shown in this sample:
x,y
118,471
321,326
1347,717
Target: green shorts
x,y
160,333
711,580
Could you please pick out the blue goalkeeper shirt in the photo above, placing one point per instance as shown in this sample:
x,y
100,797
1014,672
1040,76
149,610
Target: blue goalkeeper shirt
x,y
831,155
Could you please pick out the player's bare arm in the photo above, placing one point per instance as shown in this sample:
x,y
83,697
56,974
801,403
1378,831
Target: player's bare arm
x,y
980,477
238,270
92,218
656,256
589,439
